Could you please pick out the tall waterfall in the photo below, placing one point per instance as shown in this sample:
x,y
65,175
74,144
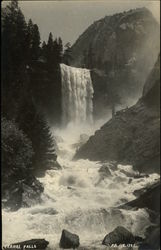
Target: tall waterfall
x,y
77,94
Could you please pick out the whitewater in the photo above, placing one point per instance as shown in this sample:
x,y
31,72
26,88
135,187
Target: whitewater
x,y
78,199
77,95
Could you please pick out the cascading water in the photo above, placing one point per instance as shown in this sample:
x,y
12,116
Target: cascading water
x,y
77,94
78,199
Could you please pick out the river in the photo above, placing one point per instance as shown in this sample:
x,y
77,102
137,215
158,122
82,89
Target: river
x,y
78,198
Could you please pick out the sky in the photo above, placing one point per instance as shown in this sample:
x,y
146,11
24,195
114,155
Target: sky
x,y
69,19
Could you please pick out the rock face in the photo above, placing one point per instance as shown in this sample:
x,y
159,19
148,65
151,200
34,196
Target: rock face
x,y
119,236
149,199
152,240
132,135
69,240
125,43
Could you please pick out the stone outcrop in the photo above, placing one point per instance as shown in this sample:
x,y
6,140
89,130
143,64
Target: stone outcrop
x,y
69,240
119,236
152,240
132,135
150,199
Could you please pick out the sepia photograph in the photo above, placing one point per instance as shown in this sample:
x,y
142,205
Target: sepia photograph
x,y
80,124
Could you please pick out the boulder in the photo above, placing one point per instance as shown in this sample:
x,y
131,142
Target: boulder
x,y
69,240
118,236
39,244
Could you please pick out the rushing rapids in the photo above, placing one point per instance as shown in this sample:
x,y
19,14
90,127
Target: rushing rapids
x,y
76,198
77,94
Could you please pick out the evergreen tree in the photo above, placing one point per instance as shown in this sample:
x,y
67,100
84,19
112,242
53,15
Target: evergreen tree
x,y
24,81
44,50
67,57
32,122
14,30
50,51
60,49
35,42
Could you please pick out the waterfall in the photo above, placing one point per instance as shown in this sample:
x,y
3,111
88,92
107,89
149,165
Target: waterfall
x,y
77,95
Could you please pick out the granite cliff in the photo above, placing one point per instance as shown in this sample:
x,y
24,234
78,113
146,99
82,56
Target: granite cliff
x,y
132,135
120,50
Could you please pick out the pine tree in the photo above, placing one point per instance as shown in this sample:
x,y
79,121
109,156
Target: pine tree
x,y
14,30
32,122
67,57
60,49
50,51
25,81
35,42
44,50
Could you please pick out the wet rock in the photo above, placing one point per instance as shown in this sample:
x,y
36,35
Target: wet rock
x,y
130,181
131,174
69,240
71,188
119,179
148,199
152,240
104,171
39,244
139,192
118,236
134,174
113,165
123,201
49,210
